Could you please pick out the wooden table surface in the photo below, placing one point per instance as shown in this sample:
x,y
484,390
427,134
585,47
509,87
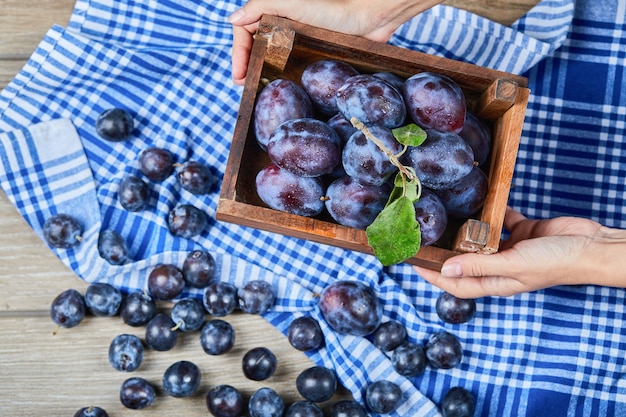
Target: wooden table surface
x,y
54,375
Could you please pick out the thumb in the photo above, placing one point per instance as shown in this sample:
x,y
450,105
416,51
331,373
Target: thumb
x,y
251,12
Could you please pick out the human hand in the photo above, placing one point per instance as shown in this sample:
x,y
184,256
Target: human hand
x,y
538,254
373,19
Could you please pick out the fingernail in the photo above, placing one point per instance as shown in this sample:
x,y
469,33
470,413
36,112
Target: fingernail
x,y
451,270
237,15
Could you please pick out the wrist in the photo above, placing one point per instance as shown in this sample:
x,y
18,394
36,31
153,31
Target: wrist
x,y
604,262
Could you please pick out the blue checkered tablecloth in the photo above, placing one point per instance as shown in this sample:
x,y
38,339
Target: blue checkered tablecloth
x,y
556,352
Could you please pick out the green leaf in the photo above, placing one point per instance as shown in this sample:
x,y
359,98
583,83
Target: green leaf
x,y
410,135
395,234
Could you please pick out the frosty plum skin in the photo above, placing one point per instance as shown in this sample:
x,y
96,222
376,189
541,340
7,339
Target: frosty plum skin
x,y
432,217
182,379
365,161
467,196
442,160
435,101
391,78
103,299
126,353
68,309
188,314
279,101
353,204
258,364
195,177
304,409
409,359
443,350
285,191
372,101
342,126
458,402
477,134
256,297
220,298
186,221
114,125
351,307
217,337
133,193
137,309
112,247
306,147
265,402
347,408
322,79
383,396
62,231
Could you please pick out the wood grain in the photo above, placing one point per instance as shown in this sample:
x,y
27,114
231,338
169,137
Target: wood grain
x,y
42,374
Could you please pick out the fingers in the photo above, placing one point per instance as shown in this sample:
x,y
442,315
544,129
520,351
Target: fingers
x,y
512,217
242,45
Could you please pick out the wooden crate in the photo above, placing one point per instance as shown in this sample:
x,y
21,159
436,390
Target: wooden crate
x,y
283,48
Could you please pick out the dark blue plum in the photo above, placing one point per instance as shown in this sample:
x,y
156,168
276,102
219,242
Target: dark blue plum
x,y
409,359
322,79
441,161
347,408
112,247
285,191
304,333
432,217
220,298
115,125
383,396
256,297
317,383
444,350
455,310
467,196
182,379
137,393
165,282
62,231
91,411
258,364
354,204
160,333
365,161
199,269
188,314
157,163
186,221
103,299
265,402
225,401
372,101
279,101
435,101
195,177
133,193
389,335
137,309
217,337
68,309
307,147
304,409
391,78
477,134
342,126
126,352
351,307
458,402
